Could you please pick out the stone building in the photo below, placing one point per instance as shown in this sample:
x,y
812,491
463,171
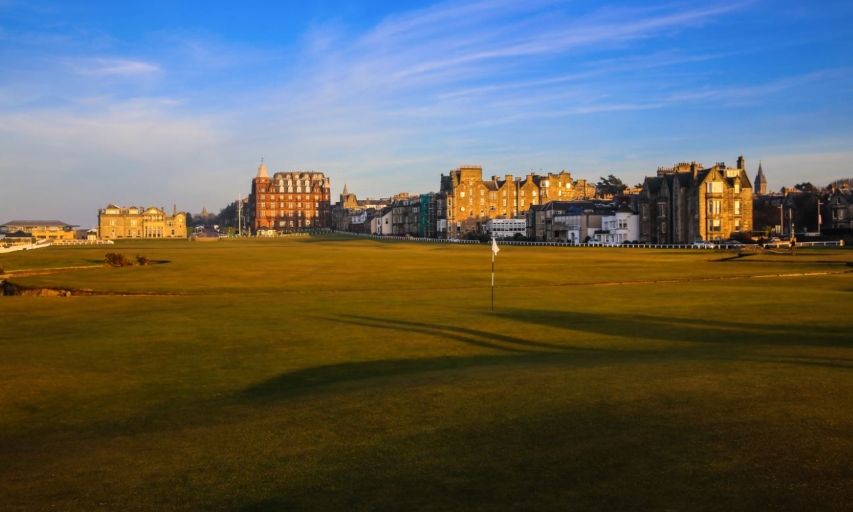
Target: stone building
x,y
289,201
689,202
471,201
839,204
350,212
116,223
41,229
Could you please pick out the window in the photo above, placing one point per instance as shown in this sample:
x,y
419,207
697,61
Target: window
x,y
714,187
714,207
737,224
482,193
737,207
714,226
662,210
737,187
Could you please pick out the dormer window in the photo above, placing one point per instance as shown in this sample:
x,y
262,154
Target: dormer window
x,y
714,187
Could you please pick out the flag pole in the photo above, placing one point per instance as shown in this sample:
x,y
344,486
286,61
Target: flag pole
x,y
494,251
493,280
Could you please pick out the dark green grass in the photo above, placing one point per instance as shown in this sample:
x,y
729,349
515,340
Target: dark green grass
x,y
395,387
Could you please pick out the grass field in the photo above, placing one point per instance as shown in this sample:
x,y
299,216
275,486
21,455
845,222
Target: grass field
x,y
330,373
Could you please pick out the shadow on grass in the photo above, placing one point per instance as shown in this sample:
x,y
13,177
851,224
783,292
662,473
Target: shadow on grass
x,y
672,328
478,338
669,452
510,349
514,350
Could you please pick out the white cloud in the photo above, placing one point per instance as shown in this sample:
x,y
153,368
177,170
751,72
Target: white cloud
x,y
100,66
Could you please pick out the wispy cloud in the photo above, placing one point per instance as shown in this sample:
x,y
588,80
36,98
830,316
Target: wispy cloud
x,y
100,66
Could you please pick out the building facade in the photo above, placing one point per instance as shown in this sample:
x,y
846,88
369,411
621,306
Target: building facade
x,y
689,202
506,228
472,201
116,223
289,201
839,204
41,229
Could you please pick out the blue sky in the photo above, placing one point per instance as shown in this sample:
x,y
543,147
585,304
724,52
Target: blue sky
x,y
162,103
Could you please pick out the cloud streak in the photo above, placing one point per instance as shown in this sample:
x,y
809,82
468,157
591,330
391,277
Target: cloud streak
x,y
100,66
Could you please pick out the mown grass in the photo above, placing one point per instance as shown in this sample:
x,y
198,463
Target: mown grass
x,y
359,375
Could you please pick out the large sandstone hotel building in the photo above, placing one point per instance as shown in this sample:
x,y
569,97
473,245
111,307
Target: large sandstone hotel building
x,y
290,201
472,201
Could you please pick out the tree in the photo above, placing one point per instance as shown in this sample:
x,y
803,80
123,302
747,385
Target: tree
x,y
805,187
609,186
842,183
227,216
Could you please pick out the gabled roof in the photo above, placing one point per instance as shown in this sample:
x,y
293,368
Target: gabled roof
x,y
653,184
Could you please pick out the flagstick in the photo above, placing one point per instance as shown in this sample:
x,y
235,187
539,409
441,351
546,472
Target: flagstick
x,y
493,280
494,251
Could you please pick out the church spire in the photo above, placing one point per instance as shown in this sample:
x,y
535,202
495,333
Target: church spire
x,y
345,192
262,170
760,181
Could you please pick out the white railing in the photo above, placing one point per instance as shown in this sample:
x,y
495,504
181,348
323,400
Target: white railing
x,y
26,247
83,242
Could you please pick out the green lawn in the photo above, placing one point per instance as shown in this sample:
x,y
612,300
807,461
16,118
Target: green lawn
x,y
334,373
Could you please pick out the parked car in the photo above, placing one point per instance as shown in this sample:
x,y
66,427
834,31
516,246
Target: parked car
x,y
702,244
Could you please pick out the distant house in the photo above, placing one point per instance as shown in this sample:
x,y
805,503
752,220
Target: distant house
x,y
116,222
840,209
690,202
40,229
506,228
18,238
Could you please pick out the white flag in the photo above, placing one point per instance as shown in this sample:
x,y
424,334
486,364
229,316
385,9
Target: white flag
x,y
494,247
